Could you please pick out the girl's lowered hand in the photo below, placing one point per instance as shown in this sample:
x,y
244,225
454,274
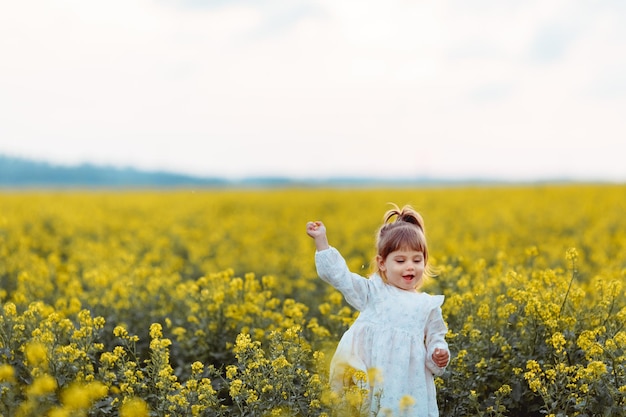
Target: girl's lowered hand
x,y
441,357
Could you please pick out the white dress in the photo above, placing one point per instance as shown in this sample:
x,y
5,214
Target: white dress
x,y
396,333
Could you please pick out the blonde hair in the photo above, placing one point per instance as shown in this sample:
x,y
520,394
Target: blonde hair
x,y
401,229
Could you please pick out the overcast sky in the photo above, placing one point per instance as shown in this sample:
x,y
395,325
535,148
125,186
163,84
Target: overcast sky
x,y
504,89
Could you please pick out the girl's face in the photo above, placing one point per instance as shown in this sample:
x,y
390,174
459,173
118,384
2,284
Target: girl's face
x,y
403,268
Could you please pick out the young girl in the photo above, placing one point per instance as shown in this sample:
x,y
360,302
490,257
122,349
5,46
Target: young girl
x,y
399,333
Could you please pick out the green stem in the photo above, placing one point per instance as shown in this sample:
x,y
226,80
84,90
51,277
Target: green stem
x,y
571,281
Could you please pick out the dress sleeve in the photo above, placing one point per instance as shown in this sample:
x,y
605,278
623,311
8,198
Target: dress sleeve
x,y
435,333
332,268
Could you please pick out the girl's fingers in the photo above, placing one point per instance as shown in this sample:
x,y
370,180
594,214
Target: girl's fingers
x,y
440,357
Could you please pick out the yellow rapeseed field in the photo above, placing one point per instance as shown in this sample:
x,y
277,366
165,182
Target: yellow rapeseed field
x,y
207,303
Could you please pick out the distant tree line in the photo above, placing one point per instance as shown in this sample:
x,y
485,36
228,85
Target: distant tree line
x,y
18,172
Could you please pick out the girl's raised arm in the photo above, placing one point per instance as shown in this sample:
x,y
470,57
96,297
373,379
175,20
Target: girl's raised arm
x,y
317,231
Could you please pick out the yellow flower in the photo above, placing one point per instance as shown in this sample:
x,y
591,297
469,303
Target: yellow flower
x,y
36,354
244,342
9,310
534,385
324,308
99,322
505,389
269,281
43,385
179,332
356,396
406,402
231,371
121,332
483,311
60,412
252,396
557,341
81,396
236,284
551,375
135,407
360,377
280,363
7,373
335,298
533,366
375,376
571,255
156,330
596,369
197,368
235,388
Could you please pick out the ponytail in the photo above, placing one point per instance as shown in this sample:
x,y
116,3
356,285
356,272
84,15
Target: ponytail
x,y
407,214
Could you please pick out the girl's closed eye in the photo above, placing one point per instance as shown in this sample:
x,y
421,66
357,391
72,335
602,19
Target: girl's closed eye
x,y
416,260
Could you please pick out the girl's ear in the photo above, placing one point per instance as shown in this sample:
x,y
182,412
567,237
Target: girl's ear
x,y
381,263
